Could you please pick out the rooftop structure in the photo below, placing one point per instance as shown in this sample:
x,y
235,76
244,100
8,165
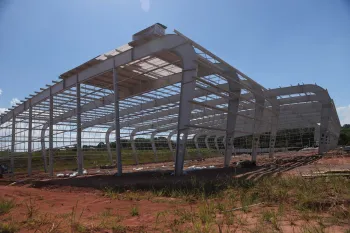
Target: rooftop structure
x,y
162,87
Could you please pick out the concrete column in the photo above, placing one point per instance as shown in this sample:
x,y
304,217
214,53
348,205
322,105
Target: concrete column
x,y
274,126
117,122
30,134
324,131
13,142
233,104
43,149
108,144
216,143
51,135
170,143
133,146
195,139
188,84
317,135
206,140
79,152
224,141
259,103
154,148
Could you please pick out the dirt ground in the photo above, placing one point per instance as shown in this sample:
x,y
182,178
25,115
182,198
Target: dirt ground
x,y
60,201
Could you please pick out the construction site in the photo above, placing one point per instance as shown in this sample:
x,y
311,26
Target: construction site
x,y
164,113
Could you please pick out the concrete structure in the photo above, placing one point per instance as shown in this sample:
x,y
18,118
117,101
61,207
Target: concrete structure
x,y
161,83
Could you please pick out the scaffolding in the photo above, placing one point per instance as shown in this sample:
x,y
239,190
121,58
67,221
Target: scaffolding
x,y
161,97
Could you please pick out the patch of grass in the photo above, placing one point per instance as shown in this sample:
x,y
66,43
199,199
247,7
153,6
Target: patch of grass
x,y
75,224
134,211
44,223
78,227
271,217
185,215
8,228
119,229
107,213
111,193
220,206
206,213
31,208
313,229
6,206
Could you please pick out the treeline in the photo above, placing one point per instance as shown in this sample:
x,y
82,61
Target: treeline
x,y
344,137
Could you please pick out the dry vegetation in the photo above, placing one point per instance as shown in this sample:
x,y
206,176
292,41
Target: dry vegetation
x,y
272,204
279,201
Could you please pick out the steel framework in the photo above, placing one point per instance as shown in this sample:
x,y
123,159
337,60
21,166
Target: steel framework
x,y
165,85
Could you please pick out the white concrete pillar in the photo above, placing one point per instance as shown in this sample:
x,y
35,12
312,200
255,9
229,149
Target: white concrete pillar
x,y
233,104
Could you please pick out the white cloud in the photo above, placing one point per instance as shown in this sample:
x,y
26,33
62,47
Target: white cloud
x,y
344,114
145,5
14,101
0,91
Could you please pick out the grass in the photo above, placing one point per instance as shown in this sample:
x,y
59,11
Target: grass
x,y
134,211
118,229
6,205
8,228
206,206
313,229
31,208
307,198
271,217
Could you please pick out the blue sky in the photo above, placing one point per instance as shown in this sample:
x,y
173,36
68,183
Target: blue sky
x,y
275,42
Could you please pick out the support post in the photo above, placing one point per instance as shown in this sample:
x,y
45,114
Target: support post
x,y
188,86
133,146
206,141
259,103
43,149
195,139
317,135
324,131
224,141
51,135
170,143
233,104
13,142
108,144
30,133
154,148
216,143
274,126
117,122
79,152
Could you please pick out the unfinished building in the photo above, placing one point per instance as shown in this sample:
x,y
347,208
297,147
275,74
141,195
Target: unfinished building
x,y
161,97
